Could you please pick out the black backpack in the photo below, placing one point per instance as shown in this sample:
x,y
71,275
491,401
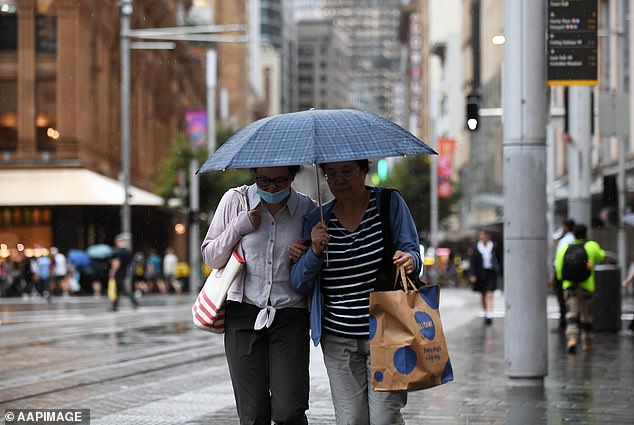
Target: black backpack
x,y
576,267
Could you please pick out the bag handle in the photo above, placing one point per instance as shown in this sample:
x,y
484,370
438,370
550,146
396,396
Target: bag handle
x,y
406,282
243,200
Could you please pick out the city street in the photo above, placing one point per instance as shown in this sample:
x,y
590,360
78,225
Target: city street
x,y
150,366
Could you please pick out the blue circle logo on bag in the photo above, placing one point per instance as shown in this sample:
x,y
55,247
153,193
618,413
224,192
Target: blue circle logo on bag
x,y
378,376
405,360
425,324
372,326
430,295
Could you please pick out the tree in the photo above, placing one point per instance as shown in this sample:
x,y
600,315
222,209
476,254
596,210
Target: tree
x,y
212,185
411,177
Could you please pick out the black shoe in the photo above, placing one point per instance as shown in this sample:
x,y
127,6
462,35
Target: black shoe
x,y
488,321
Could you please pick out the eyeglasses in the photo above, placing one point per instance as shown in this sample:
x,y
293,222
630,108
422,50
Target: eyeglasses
x,y
346,173
264,181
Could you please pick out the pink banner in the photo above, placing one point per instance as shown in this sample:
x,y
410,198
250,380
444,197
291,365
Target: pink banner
x,y
446,149
196,121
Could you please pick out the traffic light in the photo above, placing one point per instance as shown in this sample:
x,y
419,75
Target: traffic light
x,y
381,169
473,114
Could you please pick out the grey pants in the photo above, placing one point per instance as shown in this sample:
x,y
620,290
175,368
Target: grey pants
x,y
356,403
269,367
579,313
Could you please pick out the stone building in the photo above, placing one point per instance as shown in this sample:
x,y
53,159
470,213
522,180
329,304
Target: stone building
x,y
60,139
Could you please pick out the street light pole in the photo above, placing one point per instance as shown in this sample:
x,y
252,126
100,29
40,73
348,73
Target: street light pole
x,y
126,11
524,150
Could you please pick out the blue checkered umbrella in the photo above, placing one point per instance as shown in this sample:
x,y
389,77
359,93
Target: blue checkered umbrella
x,y
315,137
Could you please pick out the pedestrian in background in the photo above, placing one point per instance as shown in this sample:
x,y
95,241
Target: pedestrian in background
x,y
120,268
139,285
574,265
350,256
60,272
153,275
43,276
266,322
566,237
169,270
483,272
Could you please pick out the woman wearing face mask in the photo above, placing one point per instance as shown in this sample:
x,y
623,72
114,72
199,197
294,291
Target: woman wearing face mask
x,y
266,322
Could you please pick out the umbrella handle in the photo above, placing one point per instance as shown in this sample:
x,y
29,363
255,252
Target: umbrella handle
x,y
321,210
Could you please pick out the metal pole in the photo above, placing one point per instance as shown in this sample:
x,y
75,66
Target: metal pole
x,y
194,227
617,50
254,47
551,131
194,187
433,182
126,11
579,163
211,100
524,149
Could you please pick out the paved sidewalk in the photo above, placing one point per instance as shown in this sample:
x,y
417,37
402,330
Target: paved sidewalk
x,y
149,366
586,388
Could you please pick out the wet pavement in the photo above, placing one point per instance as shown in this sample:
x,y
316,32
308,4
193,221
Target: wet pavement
x,y
150,366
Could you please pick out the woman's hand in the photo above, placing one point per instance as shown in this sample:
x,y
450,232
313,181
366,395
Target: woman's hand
x,y
319,237
255,218
401,258
296,250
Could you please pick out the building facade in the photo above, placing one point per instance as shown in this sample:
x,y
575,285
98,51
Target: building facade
x,y
371,29
322,65
60,136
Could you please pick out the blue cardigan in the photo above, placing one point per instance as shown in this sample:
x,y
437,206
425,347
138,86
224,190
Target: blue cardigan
x,y
305,274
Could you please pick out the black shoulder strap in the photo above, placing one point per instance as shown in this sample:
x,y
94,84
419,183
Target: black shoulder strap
x,y
387,271
385,207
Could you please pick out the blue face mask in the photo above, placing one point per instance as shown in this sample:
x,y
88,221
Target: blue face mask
x,y
274,198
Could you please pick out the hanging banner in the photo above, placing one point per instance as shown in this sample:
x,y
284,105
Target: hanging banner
x,y
196,121
444,188
572,42
446,149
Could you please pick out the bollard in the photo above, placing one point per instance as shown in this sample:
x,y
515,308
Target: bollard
x,y
606,306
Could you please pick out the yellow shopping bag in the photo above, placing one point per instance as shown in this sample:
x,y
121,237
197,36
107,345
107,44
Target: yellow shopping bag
x,y
112,289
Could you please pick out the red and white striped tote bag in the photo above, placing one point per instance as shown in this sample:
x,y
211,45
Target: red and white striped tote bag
x,y
208,312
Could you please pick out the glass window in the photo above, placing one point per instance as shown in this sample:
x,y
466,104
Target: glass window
x,y
45,27
45,118
8,115
8,26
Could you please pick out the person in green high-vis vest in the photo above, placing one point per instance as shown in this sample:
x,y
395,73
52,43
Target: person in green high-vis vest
x,y
579,295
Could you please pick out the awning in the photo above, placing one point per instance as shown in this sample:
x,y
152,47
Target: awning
x,y
67,186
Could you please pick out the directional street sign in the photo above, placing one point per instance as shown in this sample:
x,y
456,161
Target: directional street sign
x,y
572,42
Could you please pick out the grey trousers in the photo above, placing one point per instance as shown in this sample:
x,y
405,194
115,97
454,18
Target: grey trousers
x,y
268,367
356,403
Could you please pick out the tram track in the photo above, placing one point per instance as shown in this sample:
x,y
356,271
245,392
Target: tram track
x,y
48,353
34,387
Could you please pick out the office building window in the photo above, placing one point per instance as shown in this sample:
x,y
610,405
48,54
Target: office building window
x,y
8,115
45,28
47,133
8,26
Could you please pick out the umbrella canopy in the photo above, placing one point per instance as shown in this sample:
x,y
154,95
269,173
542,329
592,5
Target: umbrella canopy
x,y
78,258
312,137
99,251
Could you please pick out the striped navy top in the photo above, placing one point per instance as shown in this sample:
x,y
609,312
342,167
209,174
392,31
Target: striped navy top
x,y
350,273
